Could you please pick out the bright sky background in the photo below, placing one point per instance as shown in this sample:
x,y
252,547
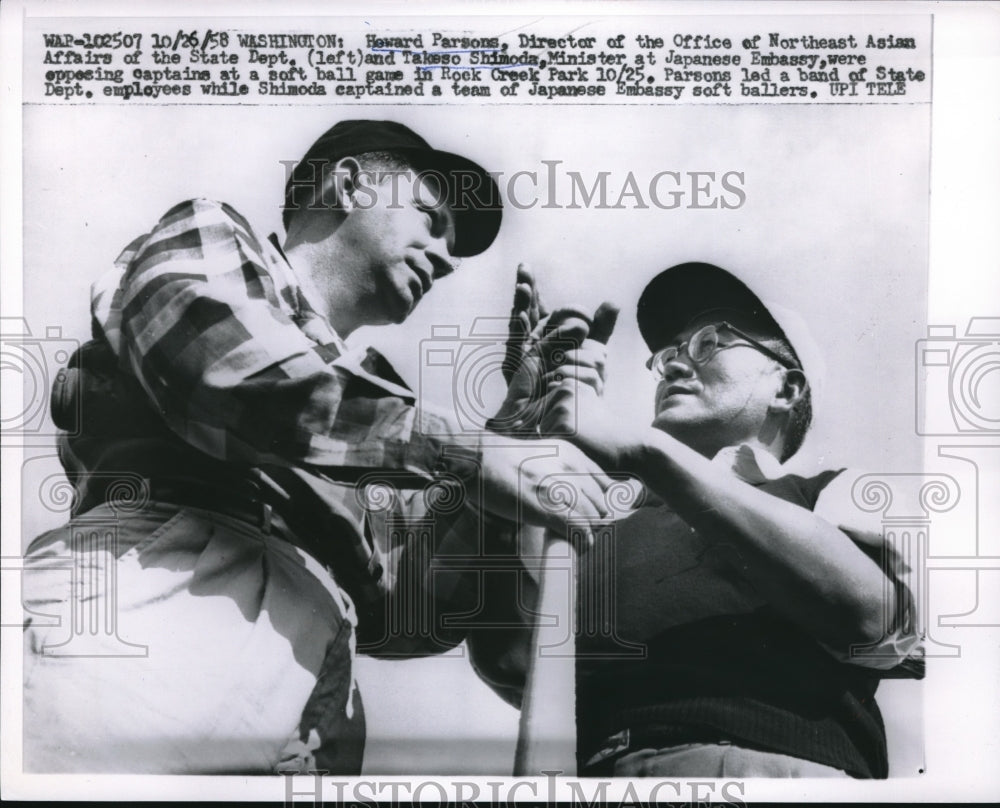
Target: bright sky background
x,y
834,227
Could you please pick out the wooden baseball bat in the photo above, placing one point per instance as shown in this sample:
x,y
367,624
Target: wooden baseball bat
x,y
547,733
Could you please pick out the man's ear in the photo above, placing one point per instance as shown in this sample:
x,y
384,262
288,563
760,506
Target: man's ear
x,y
793,387
340,185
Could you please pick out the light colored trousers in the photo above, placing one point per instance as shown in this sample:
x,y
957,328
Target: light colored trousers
x,y
717,760
177,640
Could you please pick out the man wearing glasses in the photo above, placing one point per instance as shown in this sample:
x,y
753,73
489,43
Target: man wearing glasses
x,y
748,613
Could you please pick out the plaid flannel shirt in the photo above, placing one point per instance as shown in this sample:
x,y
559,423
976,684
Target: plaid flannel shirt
x,y
211,322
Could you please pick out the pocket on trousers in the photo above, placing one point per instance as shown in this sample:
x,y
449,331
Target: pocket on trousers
x,y
331,734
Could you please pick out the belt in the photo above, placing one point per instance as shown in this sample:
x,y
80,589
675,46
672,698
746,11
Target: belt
x,y
270,511
248,501
655,736
241,498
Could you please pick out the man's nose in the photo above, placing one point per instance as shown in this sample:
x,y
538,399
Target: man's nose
x,y
439,254
678,367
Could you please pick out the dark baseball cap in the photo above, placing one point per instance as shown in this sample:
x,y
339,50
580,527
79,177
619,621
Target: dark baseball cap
x,y
678,294
473,194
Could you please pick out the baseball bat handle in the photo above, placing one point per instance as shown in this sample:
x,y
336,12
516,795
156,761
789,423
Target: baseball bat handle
x,y
547,734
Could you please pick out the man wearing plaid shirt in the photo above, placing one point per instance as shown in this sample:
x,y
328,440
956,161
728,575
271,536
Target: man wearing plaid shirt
x,y
219,388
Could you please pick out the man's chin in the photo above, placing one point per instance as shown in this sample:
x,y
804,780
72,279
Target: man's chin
x,y
405,303
673,410
664,423
690,432
674,421
410,298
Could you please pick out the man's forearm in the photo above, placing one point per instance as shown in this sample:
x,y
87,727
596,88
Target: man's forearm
x,y
809,571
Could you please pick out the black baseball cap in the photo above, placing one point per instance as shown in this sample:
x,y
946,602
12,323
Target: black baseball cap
x,y
473,194
678,294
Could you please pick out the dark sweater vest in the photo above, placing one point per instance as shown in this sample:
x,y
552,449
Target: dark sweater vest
x,y
718,663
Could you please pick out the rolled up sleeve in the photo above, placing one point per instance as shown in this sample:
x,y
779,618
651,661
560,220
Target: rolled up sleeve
x,y
900,650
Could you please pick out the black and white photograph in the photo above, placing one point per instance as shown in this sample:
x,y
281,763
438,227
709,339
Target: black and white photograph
x,y
582,401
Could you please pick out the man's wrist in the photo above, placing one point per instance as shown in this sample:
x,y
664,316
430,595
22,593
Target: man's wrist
x,y
640,454
461,457
514,419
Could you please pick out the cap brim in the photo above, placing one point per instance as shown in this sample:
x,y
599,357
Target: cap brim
x,y
473,196
678,294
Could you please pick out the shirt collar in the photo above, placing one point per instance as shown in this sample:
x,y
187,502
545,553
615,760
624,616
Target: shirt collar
x,y
309,321
750,465
366,363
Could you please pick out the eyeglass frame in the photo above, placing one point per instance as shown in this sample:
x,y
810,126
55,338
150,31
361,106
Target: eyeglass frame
x,y
781,360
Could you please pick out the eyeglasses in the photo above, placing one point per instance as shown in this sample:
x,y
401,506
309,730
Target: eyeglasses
x,y
704,344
